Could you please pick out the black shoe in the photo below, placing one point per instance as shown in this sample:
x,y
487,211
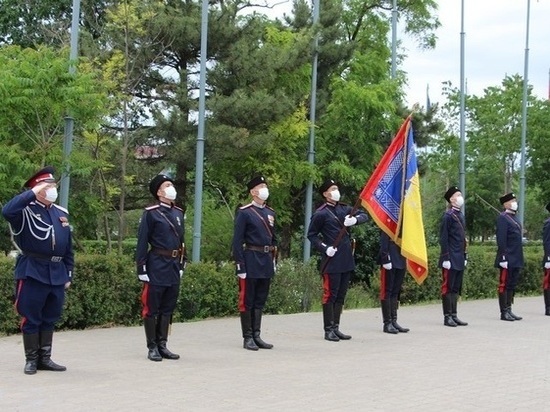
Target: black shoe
x,y
516,317
458,321
154,355
389,328
331,336
399,328
341,336
30,367
449,321
260,343
506,316
248,343
165,353
49,365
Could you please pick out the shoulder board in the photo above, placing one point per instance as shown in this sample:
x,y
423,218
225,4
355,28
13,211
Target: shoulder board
x,y
267,207
152,207
178,208
245,206
322,206
61,208
342,204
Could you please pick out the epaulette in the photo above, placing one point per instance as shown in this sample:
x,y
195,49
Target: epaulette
x,y
60,208
270,208
153,207
178,208
321,207
245,206
343,204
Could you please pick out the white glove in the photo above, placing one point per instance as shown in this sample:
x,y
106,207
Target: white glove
x,y
387,266
144,278
242,275
331,251
181,273
547,265
465,263
446,264
350,220
503,265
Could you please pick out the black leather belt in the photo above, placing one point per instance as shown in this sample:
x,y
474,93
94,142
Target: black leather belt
x,y
265,249
167,252
44,257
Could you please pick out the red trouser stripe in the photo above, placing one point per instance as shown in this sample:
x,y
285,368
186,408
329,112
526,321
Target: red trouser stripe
x,y
502,280
326,288
546,279
144,294
19,287
445,281
242,295
382,283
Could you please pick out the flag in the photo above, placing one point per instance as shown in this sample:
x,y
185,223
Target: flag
x,y
428,103
392,198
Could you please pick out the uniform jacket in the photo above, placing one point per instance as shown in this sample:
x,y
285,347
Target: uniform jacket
x,y
41,230
161,227
509,241
546,241
390,252
324,227
452,239
254,226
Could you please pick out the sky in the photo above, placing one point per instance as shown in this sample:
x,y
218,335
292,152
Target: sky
x,y
494,46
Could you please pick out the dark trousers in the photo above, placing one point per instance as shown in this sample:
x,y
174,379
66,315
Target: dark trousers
x,y
391,282
158,300
39,305
451,281
253,293
335,287
508,279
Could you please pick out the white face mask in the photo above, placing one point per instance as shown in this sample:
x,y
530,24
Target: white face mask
x,y
459,201
51,194
335,195
263,193
514,206
170,193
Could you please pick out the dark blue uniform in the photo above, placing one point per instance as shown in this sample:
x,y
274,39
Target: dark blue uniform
x,y
253,247
509,236
46,262
546,260
160,255
452,240
390,280
324,227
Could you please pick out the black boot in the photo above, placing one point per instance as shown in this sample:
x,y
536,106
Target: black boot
x,y
246,326
547,302
256,329
338,307
150,326
163,324
448,319
31,345
503,304
454,304
328,323
45,362
510,298
386,317
394,303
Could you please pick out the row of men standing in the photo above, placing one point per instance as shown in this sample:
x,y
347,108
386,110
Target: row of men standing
x,y
44,267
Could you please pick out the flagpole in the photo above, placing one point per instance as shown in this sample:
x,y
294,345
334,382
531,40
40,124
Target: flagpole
x,y
462,110
524,121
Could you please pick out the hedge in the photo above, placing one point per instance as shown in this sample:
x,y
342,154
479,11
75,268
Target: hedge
x,y
106,292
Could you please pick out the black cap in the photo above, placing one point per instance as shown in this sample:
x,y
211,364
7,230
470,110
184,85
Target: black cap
x,y
43,175
326,184
255,181
450,192
507,197
548,207
156,182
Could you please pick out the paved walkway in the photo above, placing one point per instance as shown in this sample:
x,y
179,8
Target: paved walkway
x,y
489,365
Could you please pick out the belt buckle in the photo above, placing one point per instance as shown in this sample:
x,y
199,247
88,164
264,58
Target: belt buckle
x,y
266,249
175,253
56,258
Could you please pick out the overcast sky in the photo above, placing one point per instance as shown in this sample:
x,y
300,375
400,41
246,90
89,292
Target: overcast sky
x,y
495,42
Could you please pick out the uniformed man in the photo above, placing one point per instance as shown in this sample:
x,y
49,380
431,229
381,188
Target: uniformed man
x,y
44,266
160,258
453,258
546,263
509,258
329,233
392,274
254,250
